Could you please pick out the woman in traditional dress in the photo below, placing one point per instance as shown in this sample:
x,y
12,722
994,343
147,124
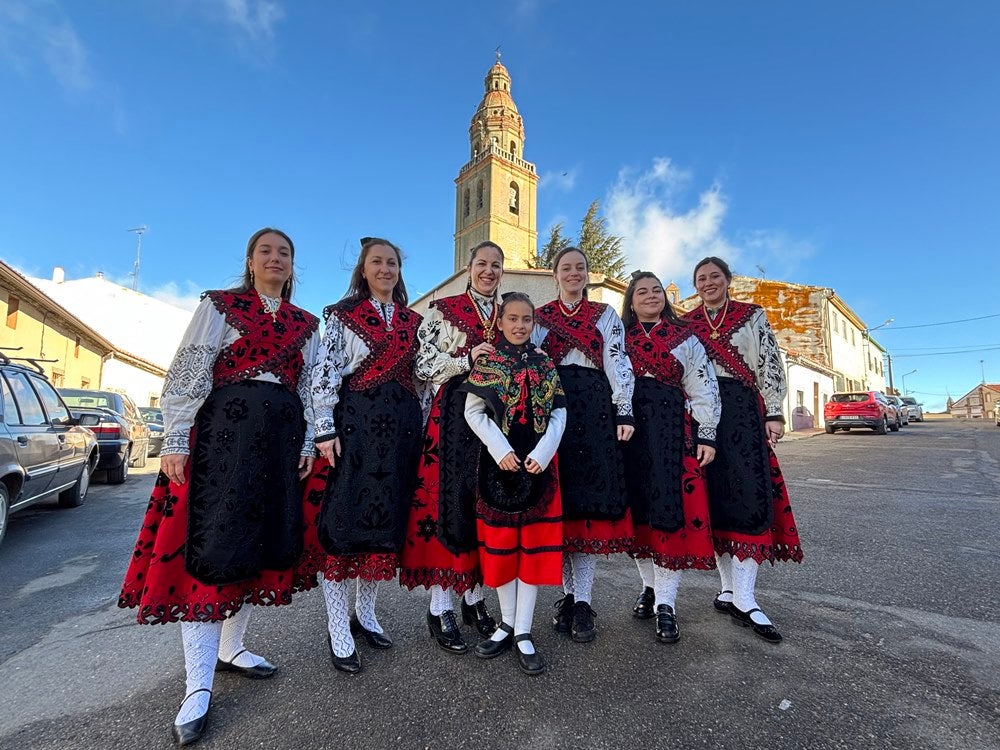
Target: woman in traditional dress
x,y
368,432
751,517
664,459
516,407
586,341
224,526
440,552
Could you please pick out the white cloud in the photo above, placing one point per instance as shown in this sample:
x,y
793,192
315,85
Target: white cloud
x,y
774,250
41,31
186,295
256,18
659,235
563,180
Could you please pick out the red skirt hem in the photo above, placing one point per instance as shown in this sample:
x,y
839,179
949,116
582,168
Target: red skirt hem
x,y
593,537
366,566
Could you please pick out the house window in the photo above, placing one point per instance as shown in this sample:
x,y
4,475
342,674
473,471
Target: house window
x,y
58,378
76,348
800,398
512,198
853,342
154,400
13,303
85,382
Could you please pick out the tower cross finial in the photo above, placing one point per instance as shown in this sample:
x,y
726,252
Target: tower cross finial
x,y
498,53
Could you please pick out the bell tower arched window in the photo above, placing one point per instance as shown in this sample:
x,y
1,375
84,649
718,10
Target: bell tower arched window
x,y
513,198
465,200
479,194
513,147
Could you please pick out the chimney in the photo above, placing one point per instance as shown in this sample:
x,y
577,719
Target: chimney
x,y
58,275
100,274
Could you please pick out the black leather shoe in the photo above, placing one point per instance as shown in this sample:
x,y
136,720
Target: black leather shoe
x,y
191,732
768,632
583,630
666,625
722,606
478,614
350,663
643,608
258,672
445,630
373,639
531,664
490,649
562,620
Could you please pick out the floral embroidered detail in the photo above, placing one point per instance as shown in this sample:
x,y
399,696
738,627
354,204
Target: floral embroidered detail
x,y
391,352
577,332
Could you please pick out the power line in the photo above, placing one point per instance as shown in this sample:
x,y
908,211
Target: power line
x,y
942,354
945,323
964,347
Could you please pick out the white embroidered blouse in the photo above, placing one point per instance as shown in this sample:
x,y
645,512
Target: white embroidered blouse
x,y
439,340
189,379
758,346
490,434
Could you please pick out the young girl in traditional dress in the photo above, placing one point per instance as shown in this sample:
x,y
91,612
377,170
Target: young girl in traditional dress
x,y
224,526
664,459
751,516
440,551
516,407
586,341
369,426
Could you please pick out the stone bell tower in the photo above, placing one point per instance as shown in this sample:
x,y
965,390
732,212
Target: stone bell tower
x,y
496,189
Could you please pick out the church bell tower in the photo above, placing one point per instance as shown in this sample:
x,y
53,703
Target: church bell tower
x,y
496,189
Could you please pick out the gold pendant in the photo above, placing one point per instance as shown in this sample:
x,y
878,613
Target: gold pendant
x,y
714,335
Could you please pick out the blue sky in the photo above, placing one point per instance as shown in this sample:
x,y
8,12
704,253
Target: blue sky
x,y
852,145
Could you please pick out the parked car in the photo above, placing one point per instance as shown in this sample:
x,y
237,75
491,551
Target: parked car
x,y
860,409
902,410
916,410
122,435
153,416
43,450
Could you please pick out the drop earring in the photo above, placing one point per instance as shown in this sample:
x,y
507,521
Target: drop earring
x,y
251,277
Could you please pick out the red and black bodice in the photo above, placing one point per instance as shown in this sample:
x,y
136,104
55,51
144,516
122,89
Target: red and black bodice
x,y
572,330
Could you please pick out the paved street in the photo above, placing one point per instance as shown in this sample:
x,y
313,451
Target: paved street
x,y
892,630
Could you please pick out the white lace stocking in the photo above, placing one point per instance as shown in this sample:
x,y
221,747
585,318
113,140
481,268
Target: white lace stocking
x,y
584,567
507,594
645,566
231,647
724,563
744,583
201,649
440,600
474,595
335,596
665,583
568,574
525,612
364,605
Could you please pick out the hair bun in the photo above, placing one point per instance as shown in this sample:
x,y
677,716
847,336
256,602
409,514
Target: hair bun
x,y
366,240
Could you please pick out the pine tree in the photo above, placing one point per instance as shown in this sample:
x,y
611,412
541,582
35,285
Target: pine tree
x,y
603,249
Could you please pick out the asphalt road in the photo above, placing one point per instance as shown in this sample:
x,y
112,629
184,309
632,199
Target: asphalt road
x,y
892,635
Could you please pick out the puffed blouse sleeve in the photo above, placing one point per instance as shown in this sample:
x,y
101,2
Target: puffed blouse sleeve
x,y
437,342
309,354
769,370
701,388
189,379
327,375
617,365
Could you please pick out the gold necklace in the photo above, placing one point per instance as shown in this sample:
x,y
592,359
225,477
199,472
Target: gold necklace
x,y
567,311
487,324
722,317
652,328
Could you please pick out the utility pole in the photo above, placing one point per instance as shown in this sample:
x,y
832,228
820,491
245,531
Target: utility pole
x,y
982,370
891,386
139,231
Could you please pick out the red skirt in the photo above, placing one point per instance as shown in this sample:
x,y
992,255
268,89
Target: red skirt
x,y
780,543
158,584
594,537
367,566
530,550
425,561
690,546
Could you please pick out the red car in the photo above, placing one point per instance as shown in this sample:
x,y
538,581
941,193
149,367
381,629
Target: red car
x,y
860,409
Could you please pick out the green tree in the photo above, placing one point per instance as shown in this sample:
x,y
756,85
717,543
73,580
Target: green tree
x,y
603,249
548,252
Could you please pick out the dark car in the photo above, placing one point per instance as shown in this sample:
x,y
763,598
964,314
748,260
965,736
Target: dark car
x,y
860,409
122,434
154,418
902,410
43,451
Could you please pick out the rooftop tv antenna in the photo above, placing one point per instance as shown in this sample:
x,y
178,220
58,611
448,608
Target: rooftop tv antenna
x,y
139,231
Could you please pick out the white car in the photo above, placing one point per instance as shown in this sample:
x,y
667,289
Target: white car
x,y
916,410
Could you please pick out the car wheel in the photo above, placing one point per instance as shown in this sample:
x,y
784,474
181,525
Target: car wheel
x,y
882,426
830,429
75,495
140,459
895,425
4,510
119,475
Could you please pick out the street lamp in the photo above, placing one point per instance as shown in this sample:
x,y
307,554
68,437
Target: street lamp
x,y
903,377
866,339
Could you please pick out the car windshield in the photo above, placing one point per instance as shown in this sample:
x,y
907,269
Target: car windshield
x,y
849,398
909,401
152,416
86,399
